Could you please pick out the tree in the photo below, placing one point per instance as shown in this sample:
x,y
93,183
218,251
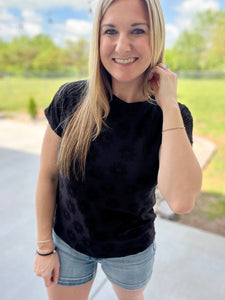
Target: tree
x,y
42,42
48,60
188,51
21,52
77,55
211,24
203,45
40,53
3,51
18,54
217,49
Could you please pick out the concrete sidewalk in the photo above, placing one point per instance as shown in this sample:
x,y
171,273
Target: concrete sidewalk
x,y
190,263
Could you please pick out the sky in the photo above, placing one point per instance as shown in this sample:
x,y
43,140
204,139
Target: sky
x,y
71,19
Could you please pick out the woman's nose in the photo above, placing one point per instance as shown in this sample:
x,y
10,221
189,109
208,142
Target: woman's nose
x,y
123,44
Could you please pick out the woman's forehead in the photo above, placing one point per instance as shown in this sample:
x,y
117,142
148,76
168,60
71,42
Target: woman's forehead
x,y
132,11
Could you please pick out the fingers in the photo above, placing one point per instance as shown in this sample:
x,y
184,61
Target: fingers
x,y
54,278
164,85
155,75
162,71
164,67
154,83
160,68
48,278
55,275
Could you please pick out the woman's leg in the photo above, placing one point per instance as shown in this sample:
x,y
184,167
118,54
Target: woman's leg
x,y
81,292
129,275
123,294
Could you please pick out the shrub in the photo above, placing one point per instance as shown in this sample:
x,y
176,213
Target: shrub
x,y
32,108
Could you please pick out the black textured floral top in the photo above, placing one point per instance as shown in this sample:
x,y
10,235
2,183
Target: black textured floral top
x,y
110,214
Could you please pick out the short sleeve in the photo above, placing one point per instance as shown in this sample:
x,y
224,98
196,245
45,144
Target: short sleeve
x,y
188,121
63,105
54,111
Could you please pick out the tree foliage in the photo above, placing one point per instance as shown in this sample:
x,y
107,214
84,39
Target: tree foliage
x,y
202,46
41,54
77,53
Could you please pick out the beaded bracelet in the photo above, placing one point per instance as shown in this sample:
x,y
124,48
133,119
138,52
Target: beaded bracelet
x,y
46,254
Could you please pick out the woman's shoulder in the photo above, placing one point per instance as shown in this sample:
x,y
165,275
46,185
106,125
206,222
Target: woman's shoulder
x,y
74,89
64,104
68,96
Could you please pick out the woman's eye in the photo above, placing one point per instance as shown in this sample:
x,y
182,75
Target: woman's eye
x,y
110,31
138,31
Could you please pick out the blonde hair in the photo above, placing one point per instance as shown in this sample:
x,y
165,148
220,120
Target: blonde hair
x,y
90,115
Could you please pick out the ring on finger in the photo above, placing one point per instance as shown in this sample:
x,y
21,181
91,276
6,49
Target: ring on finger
x,y
165,67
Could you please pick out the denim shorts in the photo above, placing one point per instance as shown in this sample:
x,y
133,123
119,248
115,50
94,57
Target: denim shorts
x,y
130,272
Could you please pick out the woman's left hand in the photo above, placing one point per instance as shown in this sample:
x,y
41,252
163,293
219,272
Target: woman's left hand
x,y
164,84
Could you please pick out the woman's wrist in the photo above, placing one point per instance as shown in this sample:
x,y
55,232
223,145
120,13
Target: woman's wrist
x,y
172,117
170,107
46,250
50,252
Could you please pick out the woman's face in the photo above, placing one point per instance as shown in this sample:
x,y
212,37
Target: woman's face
x,y
125,41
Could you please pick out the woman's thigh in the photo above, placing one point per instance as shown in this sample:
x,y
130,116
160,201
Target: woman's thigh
x,y
123,294
56,292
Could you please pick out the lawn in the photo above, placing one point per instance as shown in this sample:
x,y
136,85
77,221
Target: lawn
x,y
205,99
15,92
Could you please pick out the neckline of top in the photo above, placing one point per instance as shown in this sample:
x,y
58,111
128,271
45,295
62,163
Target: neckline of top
x,y
119,100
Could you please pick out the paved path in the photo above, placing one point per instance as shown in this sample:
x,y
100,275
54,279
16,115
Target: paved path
x,y
190,263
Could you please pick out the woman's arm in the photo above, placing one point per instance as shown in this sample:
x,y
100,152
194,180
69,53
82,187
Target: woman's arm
x,y
180,176
45,206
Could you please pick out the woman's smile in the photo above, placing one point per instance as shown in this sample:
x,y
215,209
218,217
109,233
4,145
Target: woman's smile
x,y
126,61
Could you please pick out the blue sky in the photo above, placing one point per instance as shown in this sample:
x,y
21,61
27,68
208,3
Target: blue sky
x,y
71,19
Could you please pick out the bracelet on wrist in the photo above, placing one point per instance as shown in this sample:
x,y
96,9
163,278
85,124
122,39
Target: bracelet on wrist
x,y
43,250
43,242
174,128
46,254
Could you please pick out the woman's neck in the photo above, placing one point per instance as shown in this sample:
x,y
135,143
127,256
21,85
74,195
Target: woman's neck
x,y
128,92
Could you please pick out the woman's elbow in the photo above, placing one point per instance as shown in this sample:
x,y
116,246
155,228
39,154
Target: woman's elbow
x,y
182,204
182,209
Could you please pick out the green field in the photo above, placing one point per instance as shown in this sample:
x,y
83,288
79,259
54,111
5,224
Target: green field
x,y
15,92
205,99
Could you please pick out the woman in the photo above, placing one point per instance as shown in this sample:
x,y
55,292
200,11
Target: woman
x,y
108,144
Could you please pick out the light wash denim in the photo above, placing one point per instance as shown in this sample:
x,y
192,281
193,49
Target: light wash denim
x,y
130,272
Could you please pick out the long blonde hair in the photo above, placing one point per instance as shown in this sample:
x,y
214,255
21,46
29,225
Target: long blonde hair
x,y
88,119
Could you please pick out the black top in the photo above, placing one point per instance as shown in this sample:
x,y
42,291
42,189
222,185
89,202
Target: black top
x,y
111,213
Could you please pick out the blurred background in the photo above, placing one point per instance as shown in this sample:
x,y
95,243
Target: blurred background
x,y
45,43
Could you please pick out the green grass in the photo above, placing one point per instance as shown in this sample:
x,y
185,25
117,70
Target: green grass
x,y
16,92
205,99
216,210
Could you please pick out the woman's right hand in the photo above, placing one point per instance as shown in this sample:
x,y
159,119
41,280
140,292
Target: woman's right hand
x,y
47,267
